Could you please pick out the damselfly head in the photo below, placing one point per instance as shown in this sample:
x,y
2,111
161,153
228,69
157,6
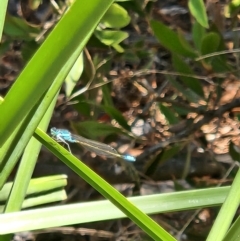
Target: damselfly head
x,y
54,131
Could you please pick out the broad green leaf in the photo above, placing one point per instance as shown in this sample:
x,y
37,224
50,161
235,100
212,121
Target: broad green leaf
x,y
107,98
170,152
192,83
131,56
115,114
112,111
187,93
87,78
210,43
94,42
232,8
116,17
180,110
17,28
134,6
198,32
111,37
198,10
82,106
118,48
170,40
169,114
222,42
220,65
74,75
93,129
184,42
162,157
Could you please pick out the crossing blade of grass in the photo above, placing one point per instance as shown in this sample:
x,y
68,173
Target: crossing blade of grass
x,y
227,212
104,210
233,233
136,215
49,59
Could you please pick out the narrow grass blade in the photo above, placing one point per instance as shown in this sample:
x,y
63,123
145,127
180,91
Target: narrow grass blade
x,y
227,212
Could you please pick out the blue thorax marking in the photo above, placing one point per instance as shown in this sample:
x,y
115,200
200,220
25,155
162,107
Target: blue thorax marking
x,y
62,134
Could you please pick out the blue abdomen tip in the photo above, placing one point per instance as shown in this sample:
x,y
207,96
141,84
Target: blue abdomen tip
x,y
129,158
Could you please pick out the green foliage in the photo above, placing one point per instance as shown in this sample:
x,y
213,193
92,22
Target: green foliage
x,y
74,75
187,93
169,114
171,40
18,29
115,114
163,156
93,129
60,58
198,10
111,38
198,32
232,8
210,43
190,82
115,17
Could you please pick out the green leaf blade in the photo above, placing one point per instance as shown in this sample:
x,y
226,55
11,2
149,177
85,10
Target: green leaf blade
x,y
170,40
198,10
